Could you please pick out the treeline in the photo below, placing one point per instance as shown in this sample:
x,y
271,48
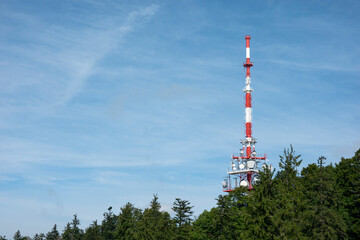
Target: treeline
x,y
320,202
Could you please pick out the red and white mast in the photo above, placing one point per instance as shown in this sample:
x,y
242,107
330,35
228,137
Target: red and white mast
x,y
244,168
248,90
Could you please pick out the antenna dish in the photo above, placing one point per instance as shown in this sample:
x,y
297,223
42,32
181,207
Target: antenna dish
x,y
224,184
243,183
241,166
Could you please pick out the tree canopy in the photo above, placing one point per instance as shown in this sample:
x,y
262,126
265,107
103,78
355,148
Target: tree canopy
x,y
320,202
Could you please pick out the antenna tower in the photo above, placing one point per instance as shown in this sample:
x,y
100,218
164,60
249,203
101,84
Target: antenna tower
x,y
244,168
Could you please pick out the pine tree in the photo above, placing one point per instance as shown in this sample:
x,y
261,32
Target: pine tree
x,y
40,236
183,217
261,208
289,197
53,234
127,223
348,181
77,232
67,233
108,225
93,232
321,218
72,230
155,224
17,236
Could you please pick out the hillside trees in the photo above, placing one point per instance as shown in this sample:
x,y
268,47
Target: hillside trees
x,y
322,218
348,182
323,202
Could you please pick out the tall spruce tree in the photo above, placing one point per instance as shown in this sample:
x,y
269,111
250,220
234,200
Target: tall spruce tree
x,y
72,230
108,225
93,232
67,232
18,236
183,217
53,234
155,224
127,223
40,236
260,222
289,197
348,181
322,219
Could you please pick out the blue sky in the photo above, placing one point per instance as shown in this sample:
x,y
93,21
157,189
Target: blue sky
x,y
105,102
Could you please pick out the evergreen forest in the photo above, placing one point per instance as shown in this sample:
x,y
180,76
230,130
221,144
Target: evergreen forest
x,y
322,201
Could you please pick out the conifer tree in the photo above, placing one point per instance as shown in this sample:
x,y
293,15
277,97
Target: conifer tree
x,y
53,234
348,181
17,236
67,233
93,232
72,230
322,218
183,217
155,224
108,225
261,208
289,197
127,223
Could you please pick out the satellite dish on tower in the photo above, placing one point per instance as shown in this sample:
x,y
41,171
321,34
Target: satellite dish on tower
x,y
244,183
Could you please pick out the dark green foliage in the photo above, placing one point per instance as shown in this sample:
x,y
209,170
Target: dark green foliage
x,y
183,218
262,208
288,200
93,232
155,224
322,218
53,234
348,181
323,202
17,236
72,230
127,223
108,225
67,235
40,236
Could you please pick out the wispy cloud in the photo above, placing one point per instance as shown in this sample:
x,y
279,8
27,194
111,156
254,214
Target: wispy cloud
x,y
54,67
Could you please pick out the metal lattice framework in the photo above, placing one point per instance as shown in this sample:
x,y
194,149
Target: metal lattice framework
x,y
244,168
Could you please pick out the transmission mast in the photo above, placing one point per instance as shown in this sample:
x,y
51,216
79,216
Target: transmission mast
x,y
245,167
